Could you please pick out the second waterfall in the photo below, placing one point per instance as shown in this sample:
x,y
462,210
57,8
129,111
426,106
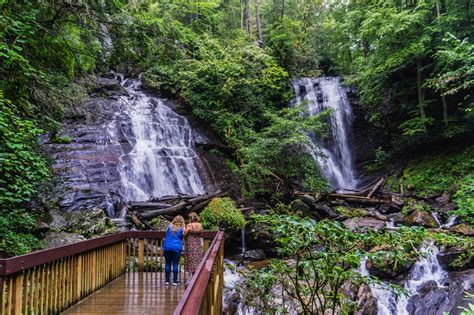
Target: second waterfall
x,y
333,154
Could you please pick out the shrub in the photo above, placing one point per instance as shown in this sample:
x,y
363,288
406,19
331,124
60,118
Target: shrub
x,y
222,213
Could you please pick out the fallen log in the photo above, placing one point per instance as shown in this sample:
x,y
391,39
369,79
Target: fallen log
x,y
360,199
179,207
136,221
376,187
148,205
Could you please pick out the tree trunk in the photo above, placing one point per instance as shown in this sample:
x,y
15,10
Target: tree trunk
x,y
445,111
259,26
246,16
421,96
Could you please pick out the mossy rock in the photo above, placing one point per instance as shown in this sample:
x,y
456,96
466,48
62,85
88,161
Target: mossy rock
x,y
89,223
223,214
160,223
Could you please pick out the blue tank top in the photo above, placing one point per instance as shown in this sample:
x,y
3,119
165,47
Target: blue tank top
x,y
173,241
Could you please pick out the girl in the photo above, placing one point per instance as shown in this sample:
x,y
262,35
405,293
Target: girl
x,y
173,245
193,248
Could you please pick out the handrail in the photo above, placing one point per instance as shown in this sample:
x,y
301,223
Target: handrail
x,y
17,263
51,280
193,297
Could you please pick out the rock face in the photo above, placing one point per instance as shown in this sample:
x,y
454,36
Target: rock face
x,y
86,166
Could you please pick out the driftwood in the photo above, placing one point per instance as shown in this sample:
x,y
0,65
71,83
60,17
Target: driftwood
x,y
193,204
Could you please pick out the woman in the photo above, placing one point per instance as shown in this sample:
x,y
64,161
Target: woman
x,y
193,248
173,245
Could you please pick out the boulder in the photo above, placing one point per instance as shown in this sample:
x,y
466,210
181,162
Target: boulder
x,y
363,223
423,218
463,228
255,254
447,256
55,239
42,227
396,217
300,207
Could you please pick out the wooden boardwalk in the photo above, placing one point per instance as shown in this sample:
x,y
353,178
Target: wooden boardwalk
x,y
132,293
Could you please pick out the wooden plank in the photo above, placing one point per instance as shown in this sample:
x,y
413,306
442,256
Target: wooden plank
x,y
140,254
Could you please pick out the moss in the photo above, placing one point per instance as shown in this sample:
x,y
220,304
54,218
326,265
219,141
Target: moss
x,y
350,212
222,213
415,205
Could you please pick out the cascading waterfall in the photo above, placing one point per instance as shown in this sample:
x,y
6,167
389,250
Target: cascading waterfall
x,y
158,157
427,268
333,155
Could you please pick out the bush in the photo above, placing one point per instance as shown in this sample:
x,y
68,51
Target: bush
x,y
221,213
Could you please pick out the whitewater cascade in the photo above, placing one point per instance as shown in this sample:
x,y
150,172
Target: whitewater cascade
x,y
426,269
334,154
158,156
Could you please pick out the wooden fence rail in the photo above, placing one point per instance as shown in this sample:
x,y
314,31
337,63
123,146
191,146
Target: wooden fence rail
x,y
49,281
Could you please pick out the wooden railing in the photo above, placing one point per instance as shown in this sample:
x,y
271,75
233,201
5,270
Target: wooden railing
x,y
49,281
204,293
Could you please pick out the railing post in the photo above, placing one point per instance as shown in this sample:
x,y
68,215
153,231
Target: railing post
x,y
18,296
141,249
78,283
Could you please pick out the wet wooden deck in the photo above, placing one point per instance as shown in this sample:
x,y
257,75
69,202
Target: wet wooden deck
x,y
133,293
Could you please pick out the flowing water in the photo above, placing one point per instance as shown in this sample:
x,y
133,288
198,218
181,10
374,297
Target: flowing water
x,y
333,154
158,156
427,268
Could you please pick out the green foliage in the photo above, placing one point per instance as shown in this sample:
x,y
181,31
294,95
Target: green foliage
x,y
221,213
464,199
21,171
280,151
432,175
319,257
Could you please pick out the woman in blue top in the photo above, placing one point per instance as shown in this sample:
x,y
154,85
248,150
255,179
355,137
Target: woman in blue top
x,y
173,245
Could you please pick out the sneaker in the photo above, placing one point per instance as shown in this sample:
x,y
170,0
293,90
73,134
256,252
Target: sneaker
x,y
176,283
167,283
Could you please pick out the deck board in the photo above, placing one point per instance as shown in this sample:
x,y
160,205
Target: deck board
x,y
132,293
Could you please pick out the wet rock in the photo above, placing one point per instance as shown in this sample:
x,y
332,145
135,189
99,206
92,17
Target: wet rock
x,y
363,223
55,239
366,302
42,227
430,299
310,200
463,228
396,217
447,256
255,254
423,218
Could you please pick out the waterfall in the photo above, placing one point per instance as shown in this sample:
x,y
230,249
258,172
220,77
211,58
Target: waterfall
x,y
242,236
333,155
158,157
427,268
